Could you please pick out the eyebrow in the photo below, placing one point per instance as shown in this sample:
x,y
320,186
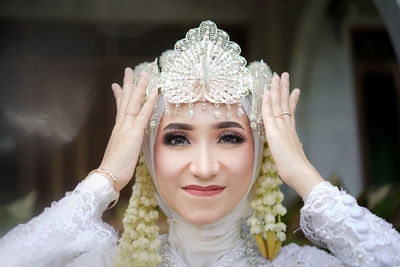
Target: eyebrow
x,y
178,126
227,124
188,127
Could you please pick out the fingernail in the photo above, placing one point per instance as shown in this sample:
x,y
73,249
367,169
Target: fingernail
x,y
126,70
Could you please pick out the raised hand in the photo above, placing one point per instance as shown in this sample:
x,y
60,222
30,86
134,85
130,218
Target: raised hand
x,y
279,108
125,143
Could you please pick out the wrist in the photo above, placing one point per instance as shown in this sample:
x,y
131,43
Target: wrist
x,y
109,180
306,179
110,177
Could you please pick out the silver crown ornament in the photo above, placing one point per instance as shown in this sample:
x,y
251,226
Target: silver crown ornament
x,y
206,66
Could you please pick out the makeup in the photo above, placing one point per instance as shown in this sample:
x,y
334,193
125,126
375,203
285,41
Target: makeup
x,y
201,191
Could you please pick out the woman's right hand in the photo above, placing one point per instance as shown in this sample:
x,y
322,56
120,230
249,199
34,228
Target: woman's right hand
x,y
125,143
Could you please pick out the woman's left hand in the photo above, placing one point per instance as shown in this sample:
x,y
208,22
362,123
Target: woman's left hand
x,y
278,112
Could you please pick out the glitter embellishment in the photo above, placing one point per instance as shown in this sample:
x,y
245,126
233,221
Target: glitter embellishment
x,y
217,113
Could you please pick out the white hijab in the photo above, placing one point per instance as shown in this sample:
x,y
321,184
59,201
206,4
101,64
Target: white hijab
x,y
203,245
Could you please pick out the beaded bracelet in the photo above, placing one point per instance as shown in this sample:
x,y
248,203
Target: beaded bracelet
x,y
114,180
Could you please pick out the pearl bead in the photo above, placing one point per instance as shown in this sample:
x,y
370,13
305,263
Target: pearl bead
x,y
356,212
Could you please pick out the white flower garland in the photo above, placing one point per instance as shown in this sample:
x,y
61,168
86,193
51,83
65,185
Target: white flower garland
x,y
265,223
139,243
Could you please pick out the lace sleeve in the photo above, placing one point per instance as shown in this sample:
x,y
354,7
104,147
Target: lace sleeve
x,y
70,233
332,219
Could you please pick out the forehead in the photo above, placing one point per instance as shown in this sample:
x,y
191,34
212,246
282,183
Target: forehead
x,y
203,115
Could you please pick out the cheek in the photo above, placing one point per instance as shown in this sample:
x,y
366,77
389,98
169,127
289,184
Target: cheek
x,y
168,165
163,167
242,166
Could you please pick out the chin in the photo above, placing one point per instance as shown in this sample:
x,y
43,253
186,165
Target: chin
x,y
203,217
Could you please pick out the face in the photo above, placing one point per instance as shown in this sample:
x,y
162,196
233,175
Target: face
x,y
203,164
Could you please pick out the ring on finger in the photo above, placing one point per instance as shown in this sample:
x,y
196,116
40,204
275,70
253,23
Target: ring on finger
x,y
278,116
287,113
131,114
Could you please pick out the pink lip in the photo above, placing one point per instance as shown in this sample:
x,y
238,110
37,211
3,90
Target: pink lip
x,y
202,191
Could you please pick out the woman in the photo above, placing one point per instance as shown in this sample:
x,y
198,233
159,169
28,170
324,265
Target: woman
x,y
203,149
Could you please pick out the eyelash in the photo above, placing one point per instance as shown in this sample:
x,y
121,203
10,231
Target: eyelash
x,y
237,138
171,137
180,138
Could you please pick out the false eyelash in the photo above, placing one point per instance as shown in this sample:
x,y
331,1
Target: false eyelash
x,y
239,137
169,137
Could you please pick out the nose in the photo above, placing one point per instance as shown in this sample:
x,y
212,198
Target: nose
x,y
205,164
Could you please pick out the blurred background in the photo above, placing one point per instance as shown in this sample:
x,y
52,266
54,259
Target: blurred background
x,y
59,58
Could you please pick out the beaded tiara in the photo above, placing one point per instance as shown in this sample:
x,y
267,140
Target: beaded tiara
x,y
206,66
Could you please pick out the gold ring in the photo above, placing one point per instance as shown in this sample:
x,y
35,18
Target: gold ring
x,y
278,116
131,114
287,113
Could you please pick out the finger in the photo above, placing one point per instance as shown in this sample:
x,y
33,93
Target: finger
x,y
117,91
146,111
285,84
293,100
138,94
275,96
266,105
267,109
127,88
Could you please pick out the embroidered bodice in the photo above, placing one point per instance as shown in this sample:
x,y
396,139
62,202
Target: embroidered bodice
x,y
71,233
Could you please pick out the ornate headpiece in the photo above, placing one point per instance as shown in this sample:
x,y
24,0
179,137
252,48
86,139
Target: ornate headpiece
x,y
206,66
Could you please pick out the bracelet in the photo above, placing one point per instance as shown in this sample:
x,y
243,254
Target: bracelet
x,y
114,180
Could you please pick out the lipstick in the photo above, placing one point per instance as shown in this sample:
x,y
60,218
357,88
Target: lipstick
x,y
204,191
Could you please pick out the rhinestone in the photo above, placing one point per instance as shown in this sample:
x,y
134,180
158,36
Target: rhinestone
x,y
217,113
167,110
177,110
240,111
191,112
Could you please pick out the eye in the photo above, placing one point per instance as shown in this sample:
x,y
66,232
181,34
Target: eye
x,y
175,139
231,138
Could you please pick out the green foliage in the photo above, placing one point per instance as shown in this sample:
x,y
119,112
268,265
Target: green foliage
x,y
16,212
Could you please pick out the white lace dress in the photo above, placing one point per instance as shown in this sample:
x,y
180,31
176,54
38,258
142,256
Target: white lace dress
x,y
71,233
